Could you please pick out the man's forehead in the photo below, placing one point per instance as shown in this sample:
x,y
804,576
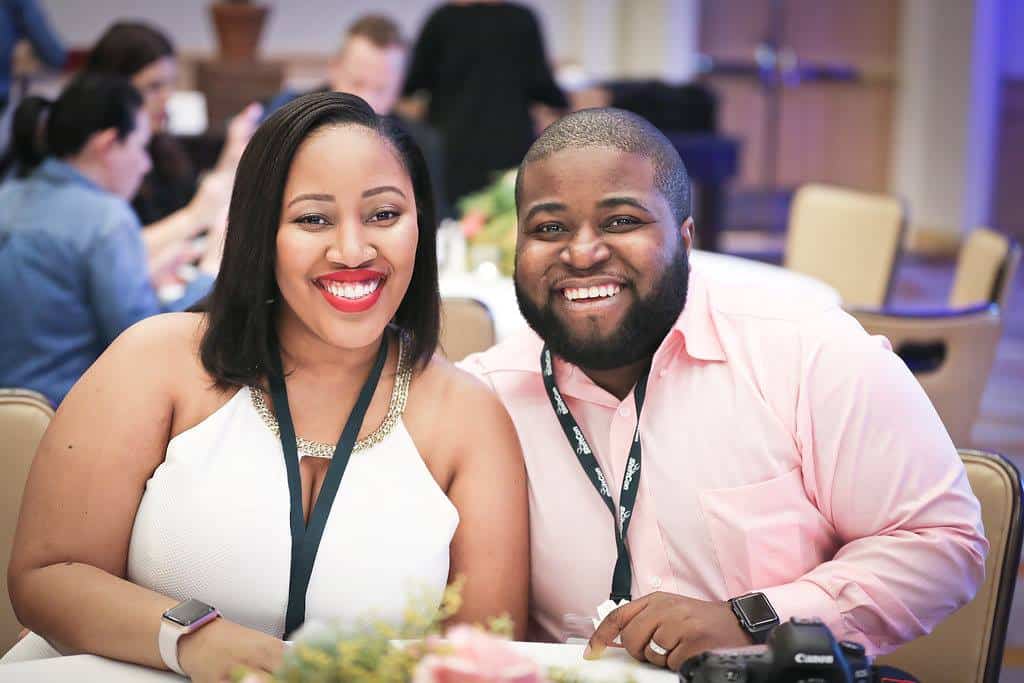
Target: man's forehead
x,y
587,170
361,48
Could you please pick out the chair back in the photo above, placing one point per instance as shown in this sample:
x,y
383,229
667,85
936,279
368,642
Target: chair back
x,y
466,327
968,646
24,416
985,269
849,239
951,356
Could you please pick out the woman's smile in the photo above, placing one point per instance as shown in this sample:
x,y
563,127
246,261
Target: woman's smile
x,y
351,291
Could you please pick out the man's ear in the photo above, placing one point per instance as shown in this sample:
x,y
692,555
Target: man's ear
x,y
686,232
100,143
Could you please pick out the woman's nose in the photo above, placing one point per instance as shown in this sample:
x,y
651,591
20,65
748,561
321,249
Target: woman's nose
x,y
349,247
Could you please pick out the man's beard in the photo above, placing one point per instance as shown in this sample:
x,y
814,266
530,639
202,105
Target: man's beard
x,y
647,322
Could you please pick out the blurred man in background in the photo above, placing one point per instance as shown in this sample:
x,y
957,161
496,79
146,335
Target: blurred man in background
x,y
371,64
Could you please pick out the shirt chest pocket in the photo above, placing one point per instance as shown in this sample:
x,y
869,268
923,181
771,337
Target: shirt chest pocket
x,y
767,533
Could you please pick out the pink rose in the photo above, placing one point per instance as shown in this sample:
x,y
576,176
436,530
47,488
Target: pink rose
x,y
476,657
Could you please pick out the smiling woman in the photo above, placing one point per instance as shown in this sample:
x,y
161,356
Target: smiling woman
x,y
305,412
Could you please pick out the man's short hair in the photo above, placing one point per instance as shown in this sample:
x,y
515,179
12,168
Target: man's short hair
x,y
378,29
622,130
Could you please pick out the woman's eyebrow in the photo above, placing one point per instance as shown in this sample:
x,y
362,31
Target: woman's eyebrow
x,y
313,197
383,188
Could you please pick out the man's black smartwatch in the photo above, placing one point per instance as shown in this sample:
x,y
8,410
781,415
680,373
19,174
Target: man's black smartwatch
x,y
756,615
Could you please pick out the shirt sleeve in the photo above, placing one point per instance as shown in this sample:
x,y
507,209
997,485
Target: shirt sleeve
x,y
119,287
34,26
473,364
879,465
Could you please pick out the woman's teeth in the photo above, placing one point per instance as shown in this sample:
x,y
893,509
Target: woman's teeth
x,y
351,290
574,293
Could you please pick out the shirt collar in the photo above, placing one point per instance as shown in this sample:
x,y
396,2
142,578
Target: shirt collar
x,y
694,330
695,325
57,171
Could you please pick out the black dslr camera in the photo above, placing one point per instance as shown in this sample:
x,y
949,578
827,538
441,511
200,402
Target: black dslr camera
x,y
798,651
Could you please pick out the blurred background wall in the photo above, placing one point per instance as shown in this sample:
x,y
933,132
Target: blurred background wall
x,y
920,97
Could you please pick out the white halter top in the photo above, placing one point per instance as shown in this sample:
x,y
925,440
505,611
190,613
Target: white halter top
x,y
213,523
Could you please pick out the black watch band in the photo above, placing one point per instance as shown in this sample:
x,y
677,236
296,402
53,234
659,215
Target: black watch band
x,y
756,615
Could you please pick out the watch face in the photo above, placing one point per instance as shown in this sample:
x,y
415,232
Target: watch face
x,y
188,612
757,610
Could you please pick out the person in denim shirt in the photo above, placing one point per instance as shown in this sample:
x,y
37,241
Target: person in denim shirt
x,y
73,271
25,19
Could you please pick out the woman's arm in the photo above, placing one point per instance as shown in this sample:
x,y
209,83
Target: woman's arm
x,y
67,569
491,548
165,238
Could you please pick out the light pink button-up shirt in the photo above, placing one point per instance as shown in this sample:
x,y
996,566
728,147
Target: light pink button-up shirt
x,y
784,450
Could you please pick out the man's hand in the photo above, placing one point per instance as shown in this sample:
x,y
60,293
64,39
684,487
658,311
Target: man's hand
x,y
682,626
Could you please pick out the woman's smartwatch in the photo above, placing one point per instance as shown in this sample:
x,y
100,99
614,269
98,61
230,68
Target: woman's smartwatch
x,y
182,619
756,615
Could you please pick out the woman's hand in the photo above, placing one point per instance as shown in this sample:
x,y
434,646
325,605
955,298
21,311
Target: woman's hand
x,y
240,129
215,651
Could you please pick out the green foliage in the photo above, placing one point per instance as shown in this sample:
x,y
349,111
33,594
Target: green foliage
x,y
497,203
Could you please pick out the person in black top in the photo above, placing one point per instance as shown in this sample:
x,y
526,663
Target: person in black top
x,y
482,65
370,63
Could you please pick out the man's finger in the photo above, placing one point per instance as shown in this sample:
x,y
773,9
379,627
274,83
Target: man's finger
x,y
612,625
635,635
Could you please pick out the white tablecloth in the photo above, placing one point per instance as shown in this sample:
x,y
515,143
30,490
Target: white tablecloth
x,y
498,293
612,667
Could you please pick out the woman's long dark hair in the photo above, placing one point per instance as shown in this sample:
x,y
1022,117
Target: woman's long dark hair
x,y
128,47
237,347
90,103
125,49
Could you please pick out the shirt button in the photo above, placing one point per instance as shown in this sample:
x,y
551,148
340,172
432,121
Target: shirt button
x,y
624,410
662,372
656,582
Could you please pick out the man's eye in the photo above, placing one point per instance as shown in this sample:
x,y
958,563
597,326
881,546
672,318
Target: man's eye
x,y
548,229
623,222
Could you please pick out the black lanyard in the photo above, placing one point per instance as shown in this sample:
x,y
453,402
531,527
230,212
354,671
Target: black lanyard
x,y
306,538
622,578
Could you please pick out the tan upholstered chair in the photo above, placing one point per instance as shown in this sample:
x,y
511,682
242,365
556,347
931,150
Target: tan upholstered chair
x,y
985,270
466,327
24,416
968,646
849,239
951,354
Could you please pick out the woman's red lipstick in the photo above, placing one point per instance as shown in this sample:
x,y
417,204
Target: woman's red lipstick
x,y
351,291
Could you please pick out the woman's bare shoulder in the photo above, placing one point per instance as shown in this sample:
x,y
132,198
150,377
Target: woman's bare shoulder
x,y
165,349
164,344
457,410
455,392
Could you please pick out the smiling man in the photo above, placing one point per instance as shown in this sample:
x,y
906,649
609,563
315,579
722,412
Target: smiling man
x,y
722,456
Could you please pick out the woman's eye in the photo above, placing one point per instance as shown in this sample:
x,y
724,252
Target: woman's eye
x,y
312,219
383,216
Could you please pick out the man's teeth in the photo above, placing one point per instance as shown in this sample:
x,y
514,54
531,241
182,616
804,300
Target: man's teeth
x,y
574,293
351,290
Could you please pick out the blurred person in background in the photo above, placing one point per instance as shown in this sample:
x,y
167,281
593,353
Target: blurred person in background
x,y
370,63
73,272
24,19
172,204
482,65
